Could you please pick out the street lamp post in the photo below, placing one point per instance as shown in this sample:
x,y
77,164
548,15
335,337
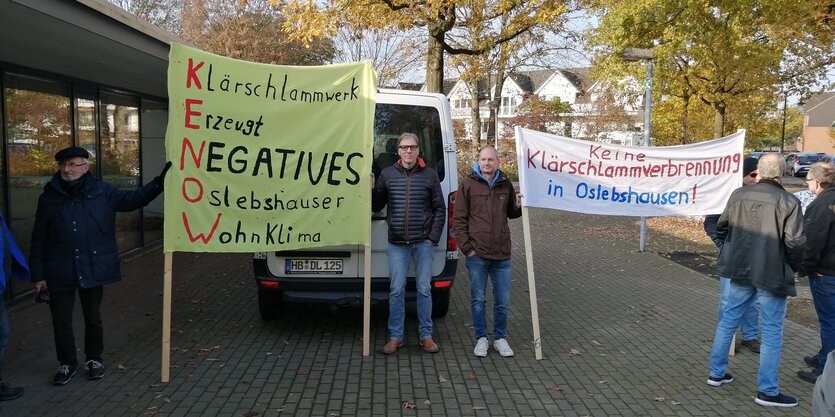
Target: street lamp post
x,y
638,54
783,132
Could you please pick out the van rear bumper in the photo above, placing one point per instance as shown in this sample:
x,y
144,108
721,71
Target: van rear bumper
x,y
339,290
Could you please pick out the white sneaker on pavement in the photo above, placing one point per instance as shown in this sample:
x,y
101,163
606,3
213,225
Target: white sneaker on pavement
x,y
503,347
481,347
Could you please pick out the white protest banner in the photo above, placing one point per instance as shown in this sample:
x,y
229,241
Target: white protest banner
x,y
597,178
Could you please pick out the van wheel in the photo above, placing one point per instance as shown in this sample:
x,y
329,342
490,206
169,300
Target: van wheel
x,y
440,302
270,303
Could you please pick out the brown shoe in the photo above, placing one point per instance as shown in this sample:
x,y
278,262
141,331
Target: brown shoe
x,y
392,346
753,345
429,346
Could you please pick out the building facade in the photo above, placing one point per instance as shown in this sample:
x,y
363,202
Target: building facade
x,y
819,124
80,73
598,111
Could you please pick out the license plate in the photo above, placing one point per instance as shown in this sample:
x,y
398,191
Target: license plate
x,y
313,266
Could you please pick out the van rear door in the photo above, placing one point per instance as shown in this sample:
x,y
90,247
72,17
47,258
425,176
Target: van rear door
x,y
427,116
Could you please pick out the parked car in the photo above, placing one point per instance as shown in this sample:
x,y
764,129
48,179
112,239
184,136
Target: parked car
x,y
335,275
755,154
797,164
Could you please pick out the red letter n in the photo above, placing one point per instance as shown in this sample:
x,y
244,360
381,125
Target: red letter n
x,y
196,158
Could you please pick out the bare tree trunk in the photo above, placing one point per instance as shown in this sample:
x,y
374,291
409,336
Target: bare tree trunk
x,y
435,60
718,120
475,116
683,119
497,96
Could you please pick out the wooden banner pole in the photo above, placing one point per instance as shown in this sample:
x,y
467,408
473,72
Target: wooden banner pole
x,y
366,293
537,341
166,316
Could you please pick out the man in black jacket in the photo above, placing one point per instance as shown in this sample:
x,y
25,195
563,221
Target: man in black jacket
x,y
749,327
416,216
762,227
73,249
819,261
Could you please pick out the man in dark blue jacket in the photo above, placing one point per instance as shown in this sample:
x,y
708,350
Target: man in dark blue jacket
x,y
73,249
416,216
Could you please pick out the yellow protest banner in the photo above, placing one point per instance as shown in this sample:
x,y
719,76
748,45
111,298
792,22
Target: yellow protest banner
x,y
266,157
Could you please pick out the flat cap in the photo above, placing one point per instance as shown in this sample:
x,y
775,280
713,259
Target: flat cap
x,y
72,152
749,165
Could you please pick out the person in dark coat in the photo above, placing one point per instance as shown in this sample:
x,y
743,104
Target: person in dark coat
x,y
485,200
749,327
14,265
819,262
416,216
762,227
73,249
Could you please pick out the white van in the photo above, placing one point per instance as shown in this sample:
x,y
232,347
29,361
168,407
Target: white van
x,y
335,274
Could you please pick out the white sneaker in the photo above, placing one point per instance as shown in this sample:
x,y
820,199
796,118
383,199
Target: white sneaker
x,y
503,347
481,347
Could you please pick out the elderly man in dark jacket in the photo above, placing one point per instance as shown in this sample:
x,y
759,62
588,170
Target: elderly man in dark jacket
x,y
416,217
749,326
485,200
762,227
819,261
73,249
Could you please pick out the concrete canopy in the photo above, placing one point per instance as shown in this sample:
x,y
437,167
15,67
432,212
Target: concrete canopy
x,y
86,39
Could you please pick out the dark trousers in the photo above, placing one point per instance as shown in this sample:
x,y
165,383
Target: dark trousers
x,y
5,334
61,305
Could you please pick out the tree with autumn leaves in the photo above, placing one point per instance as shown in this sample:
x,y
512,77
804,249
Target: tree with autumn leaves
x,y
495,22
733,58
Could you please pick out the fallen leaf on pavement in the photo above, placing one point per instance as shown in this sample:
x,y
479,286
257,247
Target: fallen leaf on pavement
x,y
478,407
555,388
574,352
409,405
442,379
659,399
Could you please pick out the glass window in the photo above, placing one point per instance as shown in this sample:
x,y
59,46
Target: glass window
x,y
119,159
392,120
38,124
154,121
85,126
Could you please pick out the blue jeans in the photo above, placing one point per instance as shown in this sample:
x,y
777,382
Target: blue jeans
x,y
741,297
749,327
823,295
399,258
480,270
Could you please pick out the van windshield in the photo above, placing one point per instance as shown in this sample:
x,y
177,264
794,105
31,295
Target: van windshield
x,y
392,120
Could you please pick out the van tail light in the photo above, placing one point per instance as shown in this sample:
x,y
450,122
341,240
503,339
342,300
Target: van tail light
x,y
269,284
451,243
442,284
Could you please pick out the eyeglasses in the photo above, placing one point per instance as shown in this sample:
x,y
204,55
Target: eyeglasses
x,y
408,147
71,165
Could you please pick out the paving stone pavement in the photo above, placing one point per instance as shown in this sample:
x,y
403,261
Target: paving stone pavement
x,y
623,334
